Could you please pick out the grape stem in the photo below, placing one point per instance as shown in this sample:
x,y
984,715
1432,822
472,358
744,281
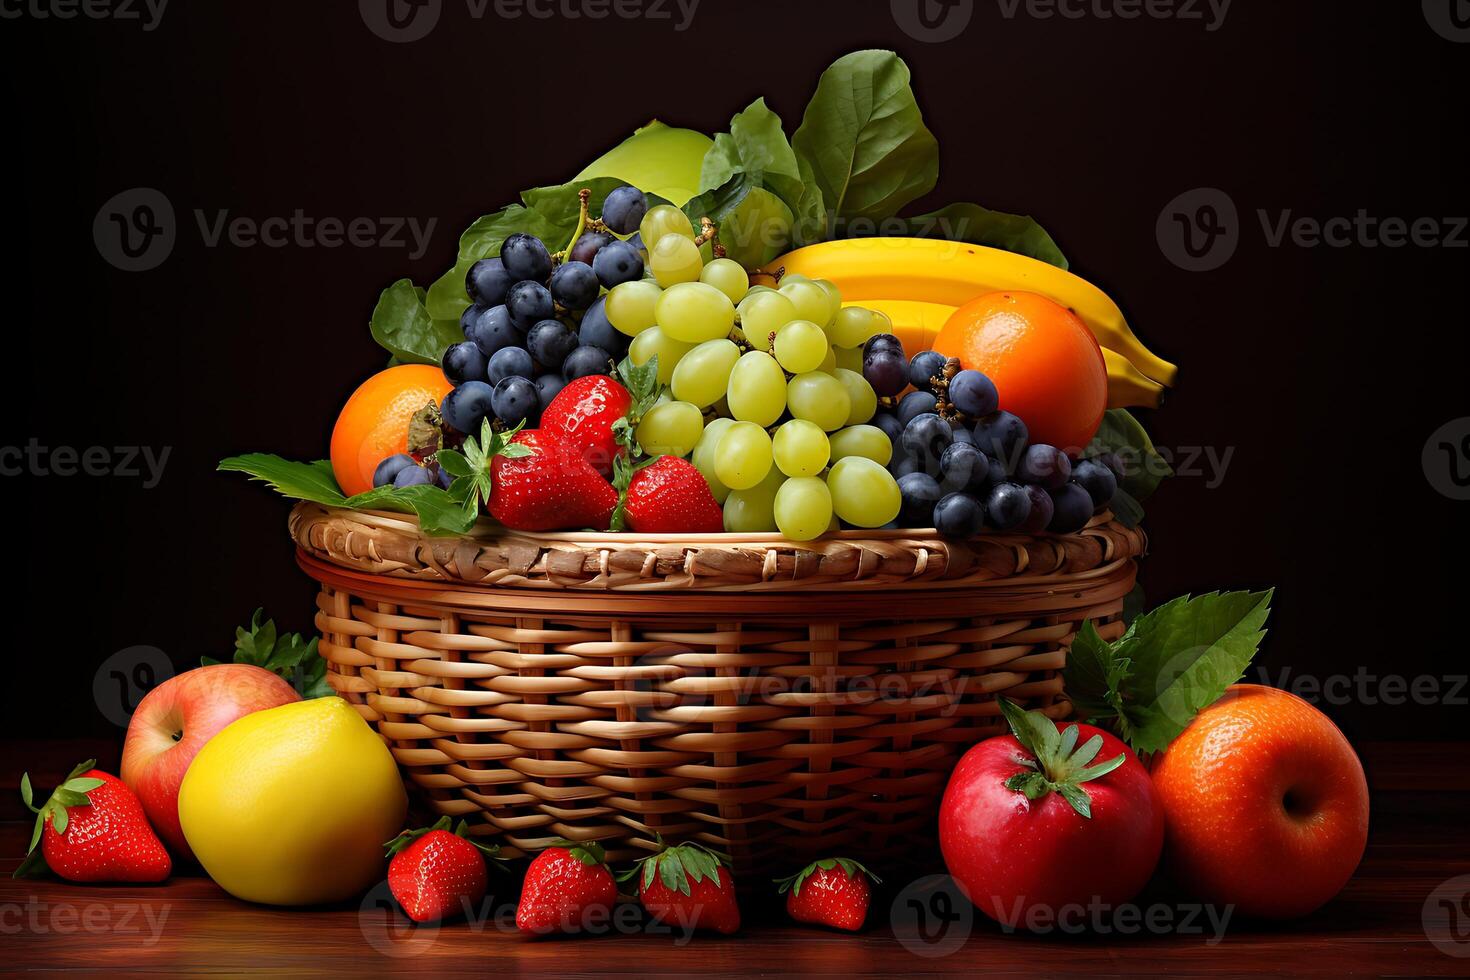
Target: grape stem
x,y
584,196
710,232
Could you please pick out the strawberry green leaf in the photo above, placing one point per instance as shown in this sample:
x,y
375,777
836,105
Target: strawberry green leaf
x,y
33,866
81,785
852,869
82,767
1077,797
25,790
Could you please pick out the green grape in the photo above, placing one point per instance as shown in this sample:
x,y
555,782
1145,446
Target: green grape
x,y
694,312
853,326
729,277
803,508
794,277
885,322
703,374
743,457
829,363
863,491
819,398
849,358
801,448
671,429
669,351
630,306
664,220
753,511
862,440
834,295
704,456
811,301
863,400
762,315
757,389
753,290
800,346
675,259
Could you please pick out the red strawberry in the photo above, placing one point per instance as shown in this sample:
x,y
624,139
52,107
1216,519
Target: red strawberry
x,y
666,496
583,414
687,887
552,488
435,872
830,892
93,829
567,888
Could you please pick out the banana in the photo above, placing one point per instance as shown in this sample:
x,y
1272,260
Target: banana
x,y
916,324
953,273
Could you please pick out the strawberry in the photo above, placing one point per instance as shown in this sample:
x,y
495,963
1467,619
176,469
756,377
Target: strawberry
x,y
566,886
551,489
665,496
830,892
92,828
666,890
435,872
584,414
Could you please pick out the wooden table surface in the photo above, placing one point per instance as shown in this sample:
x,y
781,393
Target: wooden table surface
x,y
1404,914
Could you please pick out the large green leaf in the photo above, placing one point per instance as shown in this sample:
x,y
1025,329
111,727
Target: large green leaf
x,y
865,140
657,159
977,225
402,325
1123,434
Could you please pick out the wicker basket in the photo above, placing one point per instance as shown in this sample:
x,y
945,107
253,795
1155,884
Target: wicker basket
x,y
757,695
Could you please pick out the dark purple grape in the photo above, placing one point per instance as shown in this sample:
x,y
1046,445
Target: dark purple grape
x,y
588,245
529,303
927,436
624,209
963,467
1046,466
886,372
958,515
584,361
390,468
1097,480
901,466
493,330
914,404
550,341
618,263
1073,509
413,476
885,342
468,317
509,362
1041,510
468,405
1002,436
574,285
926,364
516,400
487,282
973,394
597,331
919,492
964,435
463,362
1007,506
525,257
548,386
1115,463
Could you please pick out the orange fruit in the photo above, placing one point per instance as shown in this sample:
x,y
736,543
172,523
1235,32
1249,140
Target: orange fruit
x,y
1046,365
373,424
1265,804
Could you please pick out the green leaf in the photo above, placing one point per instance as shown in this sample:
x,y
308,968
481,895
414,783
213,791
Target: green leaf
x,y
657,159
1033,729
446,298
207,661
864,138
1099,770
300,481
25,790
981,226
401,324
82,784
33,866
1085,677
1078,798
1144,468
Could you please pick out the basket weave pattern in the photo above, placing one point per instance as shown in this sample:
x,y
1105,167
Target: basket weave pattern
x,y
761,697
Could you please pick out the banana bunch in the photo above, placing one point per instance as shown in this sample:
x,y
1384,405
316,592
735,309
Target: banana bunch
x,y
919,282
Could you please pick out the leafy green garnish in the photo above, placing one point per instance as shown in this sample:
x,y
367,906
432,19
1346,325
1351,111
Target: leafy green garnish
x,y
972,223
401,324
1144,469
292,657
849,867
472,468
1169,665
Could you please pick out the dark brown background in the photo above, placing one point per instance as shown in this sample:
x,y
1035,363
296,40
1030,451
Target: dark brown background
x,y
1325,369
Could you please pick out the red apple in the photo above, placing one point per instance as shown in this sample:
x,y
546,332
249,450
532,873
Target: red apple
x,y
173,722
